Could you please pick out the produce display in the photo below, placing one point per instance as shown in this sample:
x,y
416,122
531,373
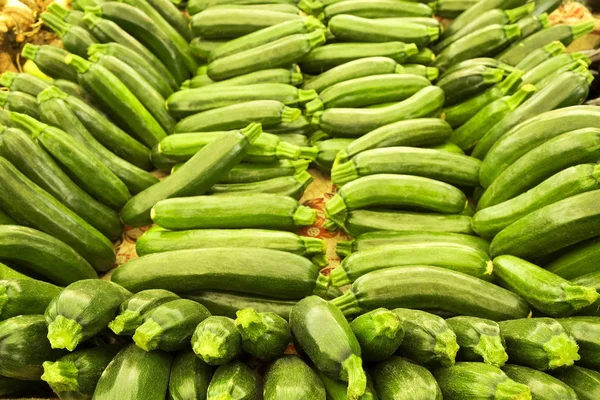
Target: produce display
x,y
465,165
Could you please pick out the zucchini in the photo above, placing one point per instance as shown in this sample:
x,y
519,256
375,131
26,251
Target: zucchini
x,y
379,333
568,89
56,111
265,335
289,76
19,102
479,340
480,62
368,90
36,164
132,310
541,385
484,42
75,39
190,377
545,6
174,17
430,73
468,82
584,382
566,183
281,6
551,66
339,359
82,310
452,8
539,343
201,48
566,34
579,66
135,373
192,270
431,288
532,24
75,375
576,261
24,347
470,380
425,56
28,204
70,16
428,339
337,390
455,169
170,326
376,9
25,297
234,379
255,210
332,55
467,136
328,150
590,280
51,61
305,385
23,82
198,175
79,162
352,122
415,133
300,125
400,379
586,331
540,55
216,340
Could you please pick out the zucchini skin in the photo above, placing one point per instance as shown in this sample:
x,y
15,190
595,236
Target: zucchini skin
x,y
25,297
20,102
248,173
542,385
198,175
264,335
134,373
461,85
339,359
249,270
576,261
51,61
546,69
586,331
337,121
562,185
398,378
234,377
431,288
479,340
306,384
201,50
377,9
190,377
379,333
228,303
39,166
550,228
82,310
337,389
216,340
585,382
290,76
29,204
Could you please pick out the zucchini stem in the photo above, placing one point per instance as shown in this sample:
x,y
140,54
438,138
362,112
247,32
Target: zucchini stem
x,y
352,371
61,376
64,333
347,303
251,323
147,336
7,78
492,351
561,350
126,323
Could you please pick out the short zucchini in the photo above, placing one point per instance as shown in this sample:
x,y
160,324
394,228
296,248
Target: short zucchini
x,y
401,379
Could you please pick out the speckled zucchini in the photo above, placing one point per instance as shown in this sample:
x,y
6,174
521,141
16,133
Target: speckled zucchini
x,y
75,39
264,335
586,331
328,150
401,379
190,377
542,385
585,382
289,76
234,377
25,297
216,340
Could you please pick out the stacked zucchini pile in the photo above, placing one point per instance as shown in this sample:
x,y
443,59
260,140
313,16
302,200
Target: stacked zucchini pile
x,y
467,175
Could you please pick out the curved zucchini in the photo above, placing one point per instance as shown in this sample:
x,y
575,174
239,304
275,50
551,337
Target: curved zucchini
x,y
306,384
379,332
75,39
479,339
216,340
586,331
264,335
19,102
376,9
400,379
234,377
51,61
431,288
190,377
585,382
542,385
461,85
576,261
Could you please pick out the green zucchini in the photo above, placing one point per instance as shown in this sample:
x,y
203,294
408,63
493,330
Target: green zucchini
x,y
234,379
82,310
328,150
216,340
563,33
75,375
584,382
255,210
586,331
479,340
540,55
332,55
192,270
431,288
5,219
25,297
170,326
428,339
448,147
379,332
71,16
305,385
568,89
400,379
19,102
545,6
480,62
43,170
470,380
452,8
197,175
468,82
23,82
228,303
28,204
576,261
580,66
430,73
80,163
201,48
551,66
566,183
75,39
339,359
171,13
132,310
135,373
56,111
24,347
532,24
279,53
357,122
289,76
190,377
300,125
425,56
376,9
447,167
264,335
51,61
280,6
541,385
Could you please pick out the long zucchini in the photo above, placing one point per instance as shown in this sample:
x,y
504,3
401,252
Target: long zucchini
x,y
292,186
586,331
290,76
264,335
585,382
306,384
379,332
190,377
376,9
542,385
551,66
173,16
479,339
216,340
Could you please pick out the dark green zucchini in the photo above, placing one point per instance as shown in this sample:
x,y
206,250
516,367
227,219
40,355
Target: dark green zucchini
x,y
190,377
379,333
50,60
542,385
217,341
234,378
586,331
399,379
339,359
82,310
585,382
479,340
577,260
540,55
132,310
264,335
539,343
170,326
75,39
19,102
461,85
305,384
25,297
